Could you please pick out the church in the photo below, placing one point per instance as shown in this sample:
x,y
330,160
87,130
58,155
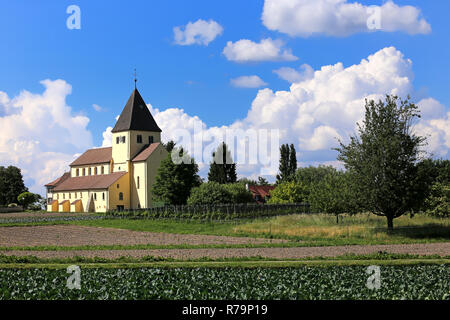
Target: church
x,y
118,177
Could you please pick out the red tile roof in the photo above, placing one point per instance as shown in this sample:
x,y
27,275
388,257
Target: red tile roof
x,y
144,154
54,183
94,156
263,191
53,202
90,182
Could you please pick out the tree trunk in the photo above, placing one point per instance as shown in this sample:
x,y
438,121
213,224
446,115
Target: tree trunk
x,y
390,222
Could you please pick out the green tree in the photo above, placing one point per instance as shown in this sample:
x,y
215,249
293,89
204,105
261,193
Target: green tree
x,y
173,182
263,181
289,192
438,203
333,194
288,163
11,184
25,199
222,168
383,159
312,175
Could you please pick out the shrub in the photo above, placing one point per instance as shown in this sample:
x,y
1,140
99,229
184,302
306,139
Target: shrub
x,y
238,193
289,192
209,193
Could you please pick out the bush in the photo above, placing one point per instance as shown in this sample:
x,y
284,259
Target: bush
x,y
28,198
289,192
12,205
209,193
238,193
438,203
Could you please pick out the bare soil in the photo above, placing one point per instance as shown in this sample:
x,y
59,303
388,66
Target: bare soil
x,y
70,235
442,249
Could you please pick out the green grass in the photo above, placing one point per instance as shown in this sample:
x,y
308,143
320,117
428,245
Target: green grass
x,y
307,230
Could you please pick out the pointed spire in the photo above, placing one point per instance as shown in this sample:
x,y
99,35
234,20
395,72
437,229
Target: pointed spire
x,y
136,116
135,79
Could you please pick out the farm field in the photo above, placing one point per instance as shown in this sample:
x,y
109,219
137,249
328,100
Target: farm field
x,y
302,282
286,257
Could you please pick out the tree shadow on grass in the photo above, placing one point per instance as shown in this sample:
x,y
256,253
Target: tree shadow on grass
x,y
427,231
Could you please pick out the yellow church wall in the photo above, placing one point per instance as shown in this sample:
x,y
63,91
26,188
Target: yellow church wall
x,y
139,195
153,163
73,170
122,185
64,206
100,198
120,151
76,206
136,147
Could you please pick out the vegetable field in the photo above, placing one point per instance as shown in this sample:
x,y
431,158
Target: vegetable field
x,y
331,282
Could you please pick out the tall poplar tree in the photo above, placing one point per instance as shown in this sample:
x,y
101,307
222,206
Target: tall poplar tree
x,y
222,168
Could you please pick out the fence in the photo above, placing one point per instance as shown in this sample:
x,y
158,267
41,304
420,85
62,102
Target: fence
x,y
214,212
10,209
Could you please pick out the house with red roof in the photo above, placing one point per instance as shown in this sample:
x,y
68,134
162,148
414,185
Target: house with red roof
x,y
260,193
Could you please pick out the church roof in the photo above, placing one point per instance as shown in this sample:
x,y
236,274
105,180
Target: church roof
x,y
136,116
146,152
54,183
89,182
93,156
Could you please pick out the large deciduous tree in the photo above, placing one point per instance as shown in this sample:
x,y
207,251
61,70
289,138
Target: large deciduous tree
x,y
174,181
222,168
382,158
11,184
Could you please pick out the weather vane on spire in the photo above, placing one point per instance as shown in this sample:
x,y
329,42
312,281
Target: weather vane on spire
x,y
135,78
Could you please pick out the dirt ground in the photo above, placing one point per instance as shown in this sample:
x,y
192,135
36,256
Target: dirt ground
x,y
69,235
442,249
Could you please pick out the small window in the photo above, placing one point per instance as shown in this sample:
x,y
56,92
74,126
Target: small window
x,y
95,170
117,140
150,139
81,195
78,172
103,170
103,196
57,196
89,170
84,171
118,186
70,195
95,196
139,138
76,195
123,139
120,196
64,195
138,183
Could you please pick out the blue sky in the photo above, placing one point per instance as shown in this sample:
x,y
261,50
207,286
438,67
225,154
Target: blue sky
x,y
116,36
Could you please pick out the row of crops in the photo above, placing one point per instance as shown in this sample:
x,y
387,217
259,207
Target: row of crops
x,y
332,282
214,211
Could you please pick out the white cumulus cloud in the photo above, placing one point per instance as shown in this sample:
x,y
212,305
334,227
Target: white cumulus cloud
x,y
340,17
200,32
292,75
266,50
40,133
248,82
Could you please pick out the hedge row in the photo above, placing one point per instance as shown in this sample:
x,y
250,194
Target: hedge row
x,y
214,212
